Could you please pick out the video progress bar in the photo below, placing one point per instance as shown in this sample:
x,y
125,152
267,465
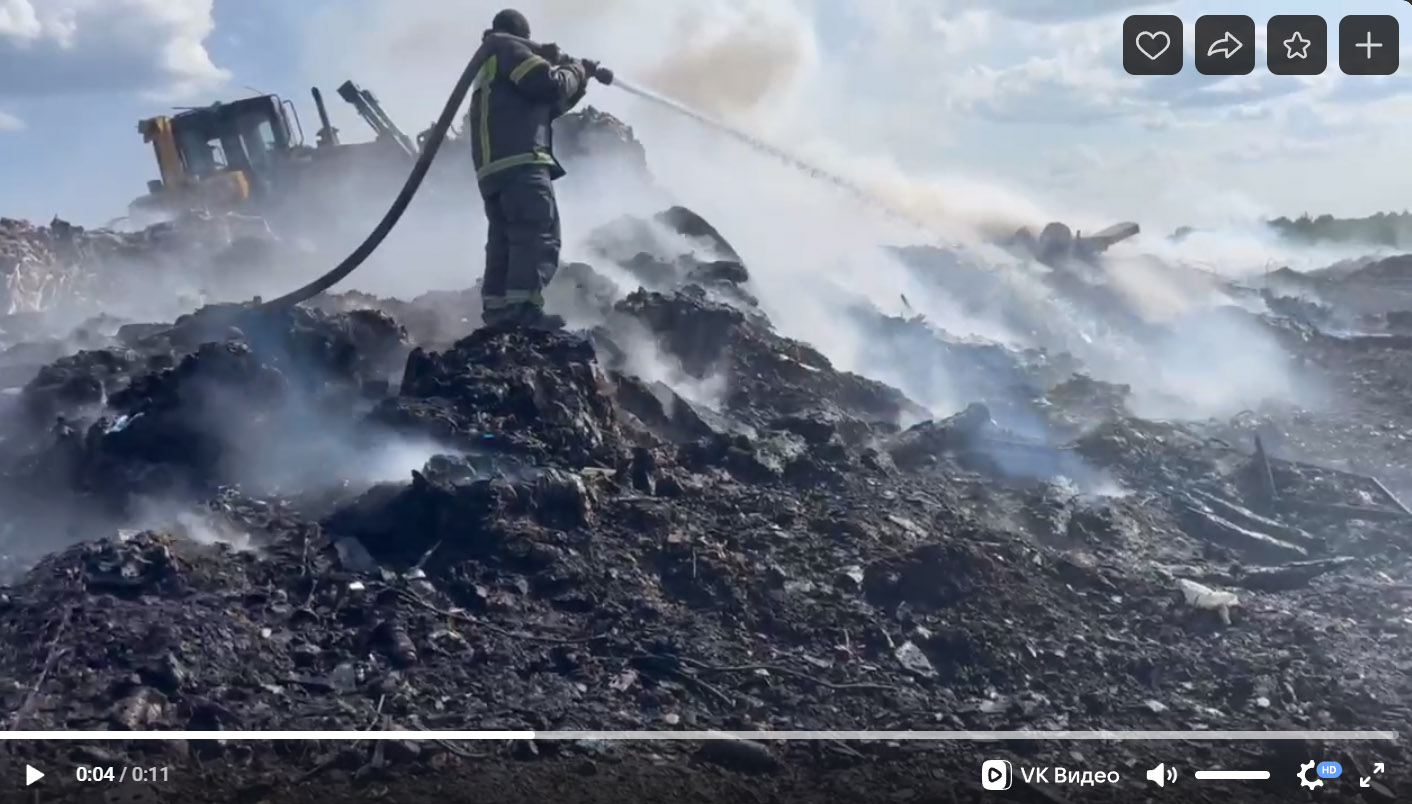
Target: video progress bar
x,y
875,736
1234,775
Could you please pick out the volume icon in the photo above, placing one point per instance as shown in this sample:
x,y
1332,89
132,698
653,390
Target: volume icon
x,y
1162,775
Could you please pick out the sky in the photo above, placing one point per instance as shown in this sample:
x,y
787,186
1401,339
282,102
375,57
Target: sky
x,y
1015,103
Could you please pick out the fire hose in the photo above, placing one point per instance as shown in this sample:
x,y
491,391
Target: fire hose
x,y
389,220
437,136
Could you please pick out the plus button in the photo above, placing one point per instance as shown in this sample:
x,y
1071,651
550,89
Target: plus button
x,y
1368,44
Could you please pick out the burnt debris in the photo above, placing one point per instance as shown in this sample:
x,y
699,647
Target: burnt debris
x,y
354,513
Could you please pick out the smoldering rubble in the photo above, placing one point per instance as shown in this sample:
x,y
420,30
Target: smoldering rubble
x,y
66,266
585,545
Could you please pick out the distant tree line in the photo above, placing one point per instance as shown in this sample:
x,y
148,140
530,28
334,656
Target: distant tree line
x,y
1390,229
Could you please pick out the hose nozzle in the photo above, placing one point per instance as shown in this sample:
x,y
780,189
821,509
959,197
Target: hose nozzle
x,y
596,70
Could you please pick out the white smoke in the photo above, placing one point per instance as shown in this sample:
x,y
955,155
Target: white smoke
x,y
820,80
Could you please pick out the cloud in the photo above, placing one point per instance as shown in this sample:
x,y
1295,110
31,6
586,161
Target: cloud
x,y
1070,88
1265,150
729,57
1075,79
981,90
9,122
1062,10
1230,93
1367,89
156,47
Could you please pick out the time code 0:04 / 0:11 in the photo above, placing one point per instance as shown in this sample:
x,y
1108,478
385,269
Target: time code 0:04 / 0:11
x,y
117,775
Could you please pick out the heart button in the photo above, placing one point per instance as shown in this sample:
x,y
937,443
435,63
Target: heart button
x,y
1148,43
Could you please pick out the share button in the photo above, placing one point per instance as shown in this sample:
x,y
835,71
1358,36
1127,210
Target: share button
x,y
1225,44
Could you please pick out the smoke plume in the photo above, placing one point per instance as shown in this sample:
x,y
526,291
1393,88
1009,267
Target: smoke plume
x,y
760,66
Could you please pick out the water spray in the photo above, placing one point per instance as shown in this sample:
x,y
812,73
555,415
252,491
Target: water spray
x,y
437,135
858,192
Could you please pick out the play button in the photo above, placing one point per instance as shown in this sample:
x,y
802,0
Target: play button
x,y
992,776
32,775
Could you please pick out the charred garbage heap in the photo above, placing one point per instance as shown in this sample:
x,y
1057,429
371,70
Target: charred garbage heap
x,y
592,550
44,267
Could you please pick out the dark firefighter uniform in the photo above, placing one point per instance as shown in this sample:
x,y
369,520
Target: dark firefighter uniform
x,y
517,96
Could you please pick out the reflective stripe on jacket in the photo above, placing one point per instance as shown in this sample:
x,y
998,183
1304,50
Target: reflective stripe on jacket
x,y
517,96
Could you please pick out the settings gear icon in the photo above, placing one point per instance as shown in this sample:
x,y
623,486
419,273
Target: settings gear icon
x,y
1304,776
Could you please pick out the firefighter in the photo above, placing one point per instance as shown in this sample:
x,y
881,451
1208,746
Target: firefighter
x,y
521,87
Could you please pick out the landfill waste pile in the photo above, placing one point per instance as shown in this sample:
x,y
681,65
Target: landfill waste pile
x,y
592,135
61,264
1354,294
369,513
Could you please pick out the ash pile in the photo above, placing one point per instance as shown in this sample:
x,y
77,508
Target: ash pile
x,y
353,514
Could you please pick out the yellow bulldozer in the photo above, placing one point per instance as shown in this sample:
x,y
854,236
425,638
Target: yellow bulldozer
x,y
249,156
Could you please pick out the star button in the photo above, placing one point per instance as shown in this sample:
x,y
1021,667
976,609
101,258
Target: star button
x,y
1297,47
1297,44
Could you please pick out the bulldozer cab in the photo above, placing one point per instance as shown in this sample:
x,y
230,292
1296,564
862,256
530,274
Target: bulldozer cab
x,y
217,157
248,135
